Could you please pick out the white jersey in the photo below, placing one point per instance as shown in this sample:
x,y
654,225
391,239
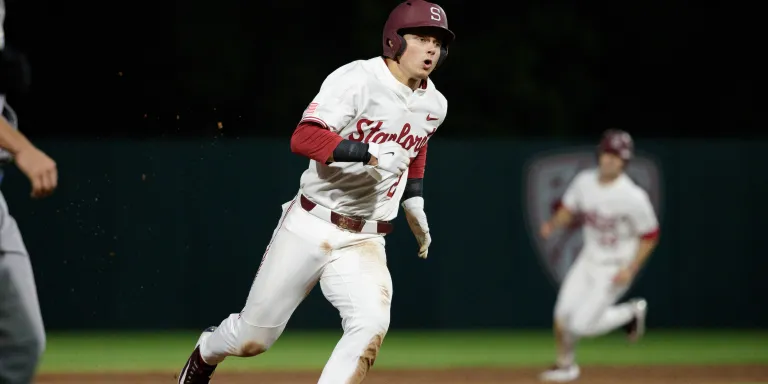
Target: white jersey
x,y
4,154
616,216
362,101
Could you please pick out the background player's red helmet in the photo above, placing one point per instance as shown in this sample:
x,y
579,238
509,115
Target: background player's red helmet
x,y
415,14
617,142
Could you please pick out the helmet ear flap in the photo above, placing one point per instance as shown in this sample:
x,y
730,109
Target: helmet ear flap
x,y
443,55
401,49
394,46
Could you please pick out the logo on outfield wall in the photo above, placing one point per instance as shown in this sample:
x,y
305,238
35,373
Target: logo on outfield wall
x,y
546,180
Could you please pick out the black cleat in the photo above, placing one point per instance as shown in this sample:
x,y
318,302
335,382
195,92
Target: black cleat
x,y
635,329
197,371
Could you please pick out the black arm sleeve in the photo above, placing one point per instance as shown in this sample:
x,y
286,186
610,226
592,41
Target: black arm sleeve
x,y
413,188
351,152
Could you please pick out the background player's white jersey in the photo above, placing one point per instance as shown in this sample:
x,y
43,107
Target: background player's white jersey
x,y
10,116
615,216
363,101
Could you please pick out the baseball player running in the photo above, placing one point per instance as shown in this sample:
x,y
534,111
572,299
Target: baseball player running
x,y
620,232
366,134
22,336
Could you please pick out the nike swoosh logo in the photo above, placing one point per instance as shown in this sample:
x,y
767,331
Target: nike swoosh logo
x,y
430,118
387,153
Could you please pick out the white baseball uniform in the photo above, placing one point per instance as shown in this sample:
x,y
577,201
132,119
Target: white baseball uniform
x,y
616,217
360,101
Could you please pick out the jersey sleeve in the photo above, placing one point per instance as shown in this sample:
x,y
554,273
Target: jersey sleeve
x,y
644,218
572,198
336,104
419,163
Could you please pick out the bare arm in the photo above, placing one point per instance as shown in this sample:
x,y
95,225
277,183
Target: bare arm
x,y
567,208
39,168
12,140
647,244
562,217
648,229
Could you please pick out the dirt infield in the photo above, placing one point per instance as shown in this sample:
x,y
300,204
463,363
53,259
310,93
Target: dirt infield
x,y
597,375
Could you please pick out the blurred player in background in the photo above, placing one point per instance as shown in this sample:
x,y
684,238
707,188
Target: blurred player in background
x,y
22,336
620,232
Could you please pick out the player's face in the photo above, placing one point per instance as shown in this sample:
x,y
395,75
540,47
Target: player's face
x,y
421,53
610,165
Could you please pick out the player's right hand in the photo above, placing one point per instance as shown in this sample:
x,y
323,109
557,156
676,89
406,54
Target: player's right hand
x,y
40,169
546,230
390,156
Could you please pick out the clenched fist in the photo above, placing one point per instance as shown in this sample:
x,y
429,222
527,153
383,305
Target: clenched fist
x,y
40,169
390,157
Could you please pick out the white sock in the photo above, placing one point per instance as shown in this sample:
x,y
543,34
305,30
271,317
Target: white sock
x,y
567,355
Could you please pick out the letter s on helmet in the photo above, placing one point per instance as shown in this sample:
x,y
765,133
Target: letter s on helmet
x,y
618,142
415,14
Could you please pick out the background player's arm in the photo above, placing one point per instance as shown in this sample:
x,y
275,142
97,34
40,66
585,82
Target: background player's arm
x,y
647,244
562,217
39,168
413,202
565,213
647,226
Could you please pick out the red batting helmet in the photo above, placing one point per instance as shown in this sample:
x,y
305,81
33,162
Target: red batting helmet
x,y
617,142
415,14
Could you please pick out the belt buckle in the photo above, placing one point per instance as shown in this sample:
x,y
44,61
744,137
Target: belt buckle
x,y
351,223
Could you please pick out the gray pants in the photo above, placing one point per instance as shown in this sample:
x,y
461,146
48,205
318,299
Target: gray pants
x,y
22,336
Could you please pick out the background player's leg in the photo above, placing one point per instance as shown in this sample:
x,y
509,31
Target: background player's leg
x,y
611,318
598,315
290,269
571,296
358,284
22,335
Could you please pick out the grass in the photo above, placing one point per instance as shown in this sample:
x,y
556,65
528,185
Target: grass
x,y
70,352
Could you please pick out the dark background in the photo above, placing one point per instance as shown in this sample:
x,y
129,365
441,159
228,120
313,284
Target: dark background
x,y
517,69
170,125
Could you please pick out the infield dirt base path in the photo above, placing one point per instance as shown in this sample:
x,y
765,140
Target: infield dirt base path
x,y
597,375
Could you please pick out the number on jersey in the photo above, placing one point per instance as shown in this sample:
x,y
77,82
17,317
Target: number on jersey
x,y
393,188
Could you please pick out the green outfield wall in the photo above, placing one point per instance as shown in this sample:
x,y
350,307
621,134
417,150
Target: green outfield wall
x,y
169,234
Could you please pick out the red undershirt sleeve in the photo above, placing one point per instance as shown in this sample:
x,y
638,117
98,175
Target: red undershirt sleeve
x,y
313,141
651,235
418,164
